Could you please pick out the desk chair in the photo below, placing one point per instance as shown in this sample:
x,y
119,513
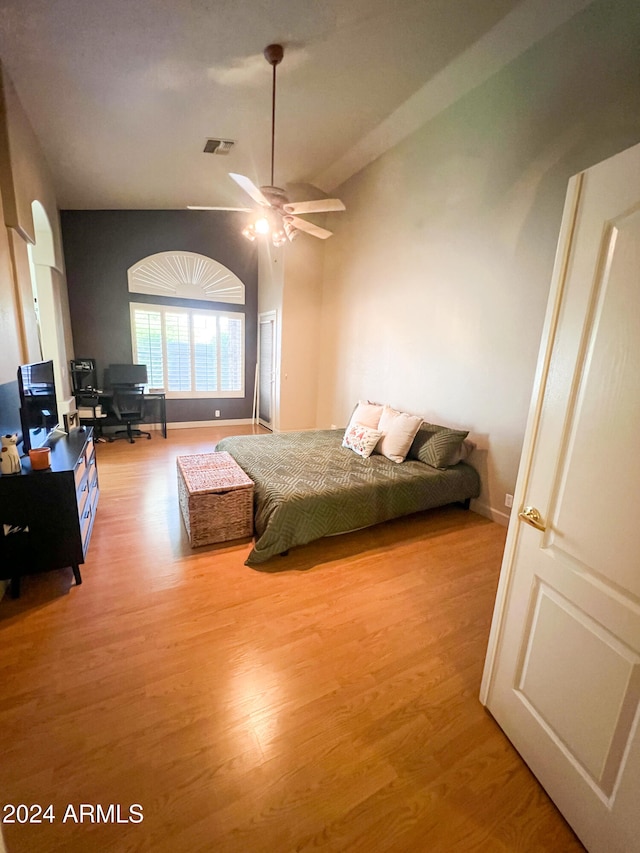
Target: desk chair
x,y
128,407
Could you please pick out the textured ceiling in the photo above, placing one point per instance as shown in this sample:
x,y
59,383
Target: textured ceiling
x,y
123,93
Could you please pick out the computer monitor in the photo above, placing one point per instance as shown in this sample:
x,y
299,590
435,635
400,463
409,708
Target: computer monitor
x,y
128,374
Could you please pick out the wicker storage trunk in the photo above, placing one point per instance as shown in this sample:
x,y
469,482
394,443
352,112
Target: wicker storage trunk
x,y
216,498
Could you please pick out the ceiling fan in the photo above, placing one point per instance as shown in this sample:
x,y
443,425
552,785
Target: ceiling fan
x,y
277,216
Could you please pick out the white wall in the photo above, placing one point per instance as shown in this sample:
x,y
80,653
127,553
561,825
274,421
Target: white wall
x,y
301,351
436,282
24,178
290,283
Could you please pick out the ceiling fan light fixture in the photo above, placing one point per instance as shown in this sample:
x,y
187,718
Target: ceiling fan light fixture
x,y
278,238
269,226
290,230
262,225
277,219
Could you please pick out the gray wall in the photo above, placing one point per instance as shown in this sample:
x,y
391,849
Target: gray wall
x,y
99,247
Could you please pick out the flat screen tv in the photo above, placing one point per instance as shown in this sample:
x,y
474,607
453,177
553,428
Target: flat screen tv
x,y
38,404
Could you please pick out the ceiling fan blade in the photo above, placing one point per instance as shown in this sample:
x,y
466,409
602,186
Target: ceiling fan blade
x,y
309,227
249,187
206,207
322,205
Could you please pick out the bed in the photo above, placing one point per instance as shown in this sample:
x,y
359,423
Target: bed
x,y
307,485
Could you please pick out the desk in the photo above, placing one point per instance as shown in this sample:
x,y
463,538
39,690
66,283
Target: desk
x,y
160,398
104,399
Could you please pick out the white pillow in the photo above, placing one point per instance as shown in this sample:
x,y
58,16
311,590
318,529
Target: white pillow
x,y
360,438
366,414
399,429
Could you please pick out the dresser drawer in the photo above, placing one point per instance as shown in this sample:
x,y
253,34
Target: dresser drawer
x,y
82,496
80,471
88,511
86,459
81,477
86,523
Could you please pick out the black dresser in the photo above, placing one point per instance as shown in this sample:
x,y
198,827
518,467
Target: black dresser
x,y
46,517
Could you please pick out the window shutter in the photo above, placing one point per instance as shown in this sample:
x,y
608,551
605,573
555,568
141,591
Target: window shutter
x,y
148,345
190,353
178,341
230,348
205,352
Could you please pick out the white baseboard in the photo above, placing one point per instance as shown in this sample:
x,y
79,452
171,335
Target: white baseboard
x,y
489,512
216,422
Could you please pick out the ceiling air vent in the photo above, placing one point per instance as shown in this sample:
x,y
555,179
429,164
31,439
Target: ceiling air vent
x,y
218,146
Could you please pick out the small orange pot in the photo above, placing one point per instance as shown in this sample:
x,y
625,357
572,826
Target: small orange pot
x,y
40,458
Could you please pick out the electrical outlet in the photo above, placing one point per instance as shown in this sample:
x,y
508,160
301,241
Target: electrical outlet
x,y
217,413
508,500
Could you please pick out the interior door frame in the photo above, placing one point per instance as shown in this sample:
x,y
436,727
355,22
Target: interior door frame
x,y
556,293
266,317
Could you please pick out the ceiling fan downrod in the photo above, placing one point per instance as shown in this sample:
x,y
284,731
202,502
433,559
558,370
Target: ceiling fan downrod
x,y
273,53
278,216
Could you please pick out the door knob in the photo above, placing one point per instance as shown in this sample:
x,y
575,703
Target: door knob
x,y
531,515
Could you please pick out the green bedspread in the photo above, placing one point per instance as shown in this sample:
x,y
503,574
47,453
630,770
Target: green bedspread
x,y
308,486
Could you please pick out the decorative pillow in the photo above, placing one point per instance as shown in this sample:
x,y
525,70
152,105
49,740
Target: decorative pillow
x,y
438,446
398,431
366,414
465,450
360,438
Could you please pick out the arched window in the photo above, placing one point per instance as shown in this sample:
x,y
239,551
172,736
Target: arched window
x,y
185,275
190,352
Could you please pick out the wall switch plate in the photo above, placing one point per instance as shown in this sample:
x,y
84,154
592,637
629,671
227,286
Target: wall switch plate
x,y
217,413
508,500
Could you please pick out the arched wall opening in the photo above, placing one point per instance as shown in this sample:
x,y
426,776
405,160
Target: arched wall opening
x,y
47,303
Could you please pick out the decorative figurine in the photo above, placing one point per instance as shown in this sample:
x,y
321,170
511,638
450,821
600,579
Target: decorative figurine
x,y
9,456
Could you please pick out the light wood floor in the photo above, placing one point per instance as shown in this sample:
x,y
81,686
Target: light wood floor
x,y
329,704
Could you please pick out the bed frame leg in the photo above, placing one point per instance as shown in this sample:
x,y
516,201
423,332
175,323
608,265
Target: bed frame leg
x,y
285,553
465,504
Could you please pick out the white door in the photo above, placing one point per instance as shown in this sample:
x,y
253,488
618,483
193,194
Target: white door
x,y
266,371
562,675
